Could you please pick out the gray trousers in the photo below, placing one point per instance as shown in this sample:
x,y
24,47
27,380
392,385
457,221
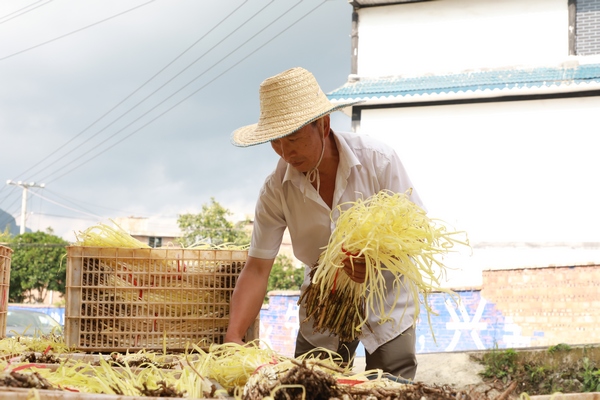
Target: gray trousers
x,y
397,357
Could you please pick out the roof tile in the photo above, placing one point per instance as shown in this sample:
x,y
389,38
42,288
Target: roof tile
x,y
466,83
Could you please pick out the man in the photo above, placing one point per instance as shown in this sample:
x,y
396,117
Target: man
x,y
318,170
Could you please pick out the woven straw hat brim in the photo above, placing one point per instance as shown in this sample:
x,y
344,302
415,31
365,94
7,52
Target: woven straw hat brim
x,y
288,101
260,133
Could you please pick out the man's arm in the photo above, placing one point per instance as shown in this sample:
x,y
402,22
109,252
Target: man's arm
x,y
247,297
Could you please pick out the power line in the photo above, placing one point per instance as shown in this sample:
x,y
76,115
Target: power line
x,y
194,92
66,207
7,195
67,217
10,213
75,31
164,100
129,96
77,202
24,12
25,186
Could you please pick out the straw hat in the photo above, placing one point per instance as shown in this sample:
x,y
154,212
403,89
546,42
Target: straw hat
x,y
288,102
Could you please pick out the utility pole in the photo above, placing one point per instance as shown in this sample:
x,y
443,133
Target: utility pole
x,y
25,186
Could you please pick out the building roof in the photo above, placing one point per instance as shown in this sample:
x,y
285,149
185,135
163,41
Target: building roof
x,y
469,85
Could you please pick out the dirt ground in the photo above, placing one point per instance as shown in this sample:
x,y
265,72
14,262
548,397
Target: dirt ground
x,y
461,371
458,371
455,369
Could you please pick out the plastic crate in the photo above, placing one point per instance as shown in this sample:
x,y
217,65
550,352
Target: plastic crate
x,y
5,257
123,299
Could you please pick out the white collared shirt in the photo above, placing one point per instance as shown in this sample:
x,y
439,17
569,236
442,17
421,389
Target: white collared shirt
x,y
366,166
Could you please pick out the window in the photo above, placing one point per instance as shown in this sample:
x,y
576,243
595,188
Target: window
x,y
154,241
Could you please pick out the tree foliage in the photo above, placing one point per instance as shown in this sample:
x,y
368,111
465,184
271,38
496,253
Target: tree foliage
x,y
285,275
5,235
211,226
37,265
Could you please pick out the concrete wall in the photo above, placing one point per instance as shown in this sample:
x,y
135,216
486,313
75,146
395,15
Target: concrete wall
x,y
457,35
514,171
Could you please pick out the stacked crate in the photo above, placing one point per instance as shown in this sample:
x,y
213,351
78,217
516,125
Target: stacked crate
x,y
5,257
128,299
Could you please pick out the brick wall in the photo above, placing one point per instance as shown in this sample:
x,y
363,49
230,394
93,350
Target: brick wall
x,y
553,304
587,27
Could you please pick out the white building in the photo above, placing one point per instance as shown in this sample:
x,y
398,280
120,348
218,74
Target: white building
x,y
493,106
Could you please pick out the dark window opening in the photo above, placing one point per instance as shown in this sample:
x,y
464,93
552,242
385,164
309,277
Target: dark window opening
x,y
155,242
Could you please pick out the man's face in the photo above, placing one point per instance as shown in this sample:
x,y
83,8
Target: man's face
x,y
301,149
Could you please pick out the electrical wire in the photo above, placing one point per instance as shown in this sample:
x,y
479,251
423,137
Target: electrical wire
x,y
9,217
66,207
24,12
12,204
168,97
75,31
77,202
180,89
67,217
7,195
188,96
10,214
39,212
64,146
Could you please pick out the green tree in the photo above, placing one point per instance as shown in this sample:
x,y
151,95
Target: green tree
x,y
5,235
37,265
211,226
284,275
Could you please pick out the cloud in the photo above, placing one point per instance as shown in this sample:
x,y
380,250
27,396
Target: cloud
x,y
165,150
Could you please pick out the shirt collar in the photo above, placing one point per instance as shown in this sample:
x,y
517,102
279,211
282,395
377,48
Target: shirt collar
x,y
347,160
347,157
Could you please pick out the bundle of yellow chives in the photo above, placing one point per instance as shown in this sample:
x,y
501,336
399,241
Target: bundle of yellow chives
x,y
392,234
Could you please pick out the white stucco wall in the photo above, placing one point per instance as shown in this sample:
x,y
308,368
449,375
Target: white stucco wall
x,y
458,35
505,172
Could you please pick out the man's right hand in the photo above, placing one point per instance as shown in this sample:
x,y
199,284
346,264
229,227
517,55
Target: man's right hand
x,y
233,339
247,297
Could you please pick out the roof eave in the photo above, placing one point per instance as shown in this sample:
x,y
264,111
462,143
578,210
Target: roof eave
x,y
382,98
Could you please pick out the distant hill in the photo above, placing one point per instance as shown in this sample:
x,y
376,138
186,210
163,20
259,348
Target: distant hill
x,y
8,220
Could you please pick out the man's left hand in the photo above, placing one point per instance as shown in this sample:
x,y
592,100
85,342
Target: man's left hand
x,y
356,268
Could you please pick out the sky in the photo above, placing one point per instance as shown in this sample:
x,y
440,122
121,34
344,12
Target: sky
x,y
125,108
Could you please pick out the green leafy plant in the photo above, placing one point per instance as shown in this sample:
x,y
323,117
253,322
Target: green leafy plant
x,y
500,364
591,376
560,368
536,372
559,347
212,226
37,266
284,275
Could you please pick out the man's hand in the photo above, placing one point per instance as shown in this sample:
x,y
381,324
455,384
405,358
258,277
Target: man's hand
x,y
356,268
231,339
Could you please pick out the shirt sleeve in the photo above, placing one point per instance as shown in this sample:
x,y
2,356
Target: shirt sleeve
x,y
269,222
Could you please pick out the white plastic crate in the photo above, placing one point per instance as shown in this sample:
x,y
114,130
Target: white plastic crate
x,y
5,258
123,299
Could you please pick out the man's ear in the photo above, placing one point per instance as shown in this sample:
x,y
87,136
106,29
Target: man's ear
x,y
326,126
